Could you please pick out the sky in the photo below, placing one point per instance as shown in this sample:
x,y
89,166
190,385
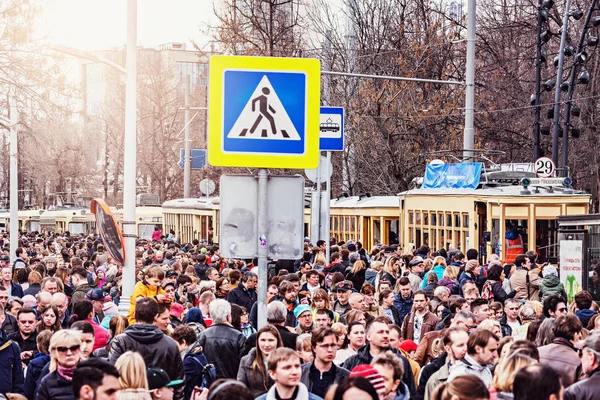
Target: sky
x,y
95,25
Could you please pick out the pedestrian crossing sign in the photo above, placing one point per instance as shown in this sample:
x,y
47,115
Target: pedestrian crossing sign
x,y
264,112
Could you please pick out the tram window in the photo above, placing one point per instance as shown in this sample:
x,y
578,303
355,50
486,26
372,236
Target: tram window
x,y
426,218
465,220
546,237
448,219
417,241
441,219
433,219
457,220
145,231
411,218
353,224
418,219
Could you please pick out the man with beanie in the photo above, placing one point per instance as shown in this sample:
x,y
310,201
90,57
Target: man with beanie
x,y
303,314
320,374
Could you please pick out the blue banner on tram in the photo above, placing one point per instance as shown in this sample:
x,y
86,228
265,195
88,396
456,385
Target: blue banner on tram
x,y
452,176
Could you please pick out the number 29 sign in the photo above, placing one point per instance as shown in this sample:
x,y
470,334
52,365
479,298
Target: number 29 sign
x,y
544,167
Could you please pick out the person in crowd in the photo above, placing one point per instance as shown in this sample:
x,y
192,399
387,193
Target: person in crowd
x,y
245,293
303,315
466,387
150,286
403,300
342,305
132,377
222,288
455,345
304,348
391,371
482,351
284,369
510,320
222,343
356,339
450,279
320,301
61,302
386,299
9,324
416,269
84,311
545,334
420,320
587,389
253,371
312,282
65,354
13,289
554,306
26,336
159,383
492,288
50,319
550,284
562,355
505,371
525,281
11,372
378,334
322,372
95,379
98,298
34,280
87,337
356,387
37,364
480,309
583,303
157,349
537,382
79,279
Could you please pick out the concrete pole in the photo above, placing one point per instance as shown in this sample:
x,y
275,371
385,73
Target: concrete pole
x,y
129,169
14,181
187,158
561,60
538,79
469,133
262,217
327,101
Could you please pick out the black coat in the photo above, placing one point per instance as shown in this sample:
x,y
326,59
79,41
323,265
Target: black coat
x,y
157,349
253,379
426,373
10,324
11,372
55,387
586,389
364,357
222,346
242,297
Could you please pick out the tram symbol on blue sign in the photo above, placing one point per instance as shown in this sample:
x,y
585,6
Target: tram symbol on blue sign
x,y
331,129
264,112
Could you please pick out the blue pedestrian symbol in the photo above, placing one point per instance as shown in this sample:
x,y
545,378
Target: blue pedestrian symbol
x,y
264,112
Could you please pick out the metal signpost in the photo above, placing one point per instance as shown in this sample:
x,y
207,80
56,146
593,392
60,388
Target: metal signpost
x,y
264,113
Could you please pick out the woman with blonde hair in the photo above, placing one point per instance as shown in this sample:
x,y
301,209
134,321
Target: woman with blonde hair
x,y
320,301
450,279
357,274
491,325
65,353
132,377
391,270
320,261
505,372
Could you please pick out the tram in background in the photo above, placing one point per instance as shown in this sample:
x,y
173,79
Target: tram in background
x,y
192,219
29,220
481,217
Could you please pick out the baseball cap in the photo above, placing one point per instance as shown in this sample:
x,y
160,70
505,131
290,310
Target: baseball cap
x,y
415,261
97,294
408,345
593,342
171,274
351,247
343,286
371,374
176,310
158,378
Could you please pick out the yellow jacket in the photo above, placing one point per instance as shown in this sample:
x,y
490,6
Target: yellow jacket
x,y
142,290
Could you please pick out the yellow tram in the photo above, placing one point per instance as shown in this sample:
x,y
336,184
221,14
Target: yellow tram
x,y
192,219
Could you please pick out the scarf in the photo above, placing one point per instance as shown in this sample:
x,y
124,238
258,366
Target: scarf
x,y
66,373
487,291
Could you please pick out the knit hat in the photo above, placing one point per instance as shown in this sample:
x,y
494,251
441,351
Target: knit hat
x,y
110,308
549,270
371,374
300,309
408,346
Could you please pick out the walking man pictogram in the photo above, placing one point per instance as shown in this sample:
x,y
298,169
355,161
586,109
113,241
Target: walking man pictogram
x,y
263,109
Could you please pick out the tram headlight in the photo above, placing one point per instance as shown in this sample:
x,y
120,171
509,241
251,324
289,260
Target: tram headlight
x,y
567,182
525,182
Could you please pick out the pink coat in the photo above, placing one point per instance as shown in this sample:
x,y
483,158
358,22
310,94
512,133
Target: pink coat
x,y
101,335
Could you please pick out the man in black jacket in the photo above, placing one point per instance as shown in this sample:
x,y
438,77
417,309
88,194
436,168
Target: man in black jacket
x,y
222,343
157,349
378,337
245,294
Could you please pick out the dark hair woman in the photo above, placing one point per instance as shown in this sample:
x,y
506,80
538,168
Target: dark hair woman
x,y
253,370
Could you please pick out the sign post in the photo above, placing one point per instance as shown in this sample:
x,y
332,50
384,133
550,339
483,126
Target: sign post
x,y
263,113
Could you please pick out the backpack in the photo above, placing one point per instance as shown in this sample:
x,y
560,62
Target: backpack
x,y
328,279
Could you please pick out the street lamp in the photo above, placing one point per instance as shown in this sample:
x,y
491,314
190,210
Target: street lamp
x,y
11,122
130,148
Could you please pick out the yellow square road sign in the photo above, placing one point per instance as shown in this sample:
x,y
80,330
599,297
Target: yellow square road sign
x,y
264,112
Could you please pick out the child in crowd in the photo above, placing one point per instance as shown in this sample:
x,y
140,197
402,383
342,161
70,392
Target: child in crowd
x,y
150,286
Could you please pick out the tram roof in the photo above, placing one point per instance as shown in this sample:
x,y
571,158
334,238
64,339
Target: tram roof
x,y
204,203
365,202
508,190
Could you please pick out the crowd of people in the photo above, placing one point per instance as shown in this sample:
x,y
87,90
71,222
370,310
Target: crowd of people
x,y
382,324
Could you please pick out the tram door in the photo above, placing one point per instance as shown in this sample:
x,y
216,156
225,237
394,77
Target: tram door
x,y
482,231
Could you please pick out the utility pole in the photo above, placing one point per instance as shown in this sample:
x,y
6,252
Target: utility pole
x,y
538,78
469,133
187,158
14,181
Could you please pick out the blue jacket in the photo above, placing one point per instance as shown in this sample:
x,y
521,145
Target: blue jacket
x,y
193,364
585,316
439,271
16,290
404,306
34,372
11,371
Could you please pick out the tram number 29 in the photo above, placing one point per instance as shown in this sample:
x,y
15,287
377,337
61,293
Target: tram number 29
x,y
544,167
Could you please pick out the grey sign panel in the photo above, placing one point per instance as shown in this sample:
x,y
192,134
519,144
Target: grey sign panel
x,y
285,215
316,233
285,210
239,203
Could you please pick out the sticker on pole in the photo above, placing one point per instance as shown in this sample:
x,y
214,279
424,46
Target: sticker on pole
x,y
544,167
109,230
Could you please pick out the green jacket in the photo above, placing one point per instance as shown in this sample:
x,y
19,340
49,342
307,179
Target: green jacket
x,y
551,285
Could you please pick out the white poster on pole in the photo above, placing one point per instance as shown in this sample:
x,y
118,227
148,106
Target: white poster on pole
x,y
571,266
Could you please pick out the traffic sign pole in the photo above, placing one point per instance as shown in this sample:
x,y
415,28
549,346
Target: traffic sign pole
x,y
187,157
263,276
328,211
14,182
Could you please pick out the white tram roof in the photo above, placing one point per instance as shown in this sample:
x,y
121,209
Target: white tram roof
x,y
507,190
365,202
204,203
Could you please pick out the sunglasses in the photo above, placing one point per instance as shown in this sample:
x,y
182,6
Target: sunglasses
x,y
73,349
563,309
